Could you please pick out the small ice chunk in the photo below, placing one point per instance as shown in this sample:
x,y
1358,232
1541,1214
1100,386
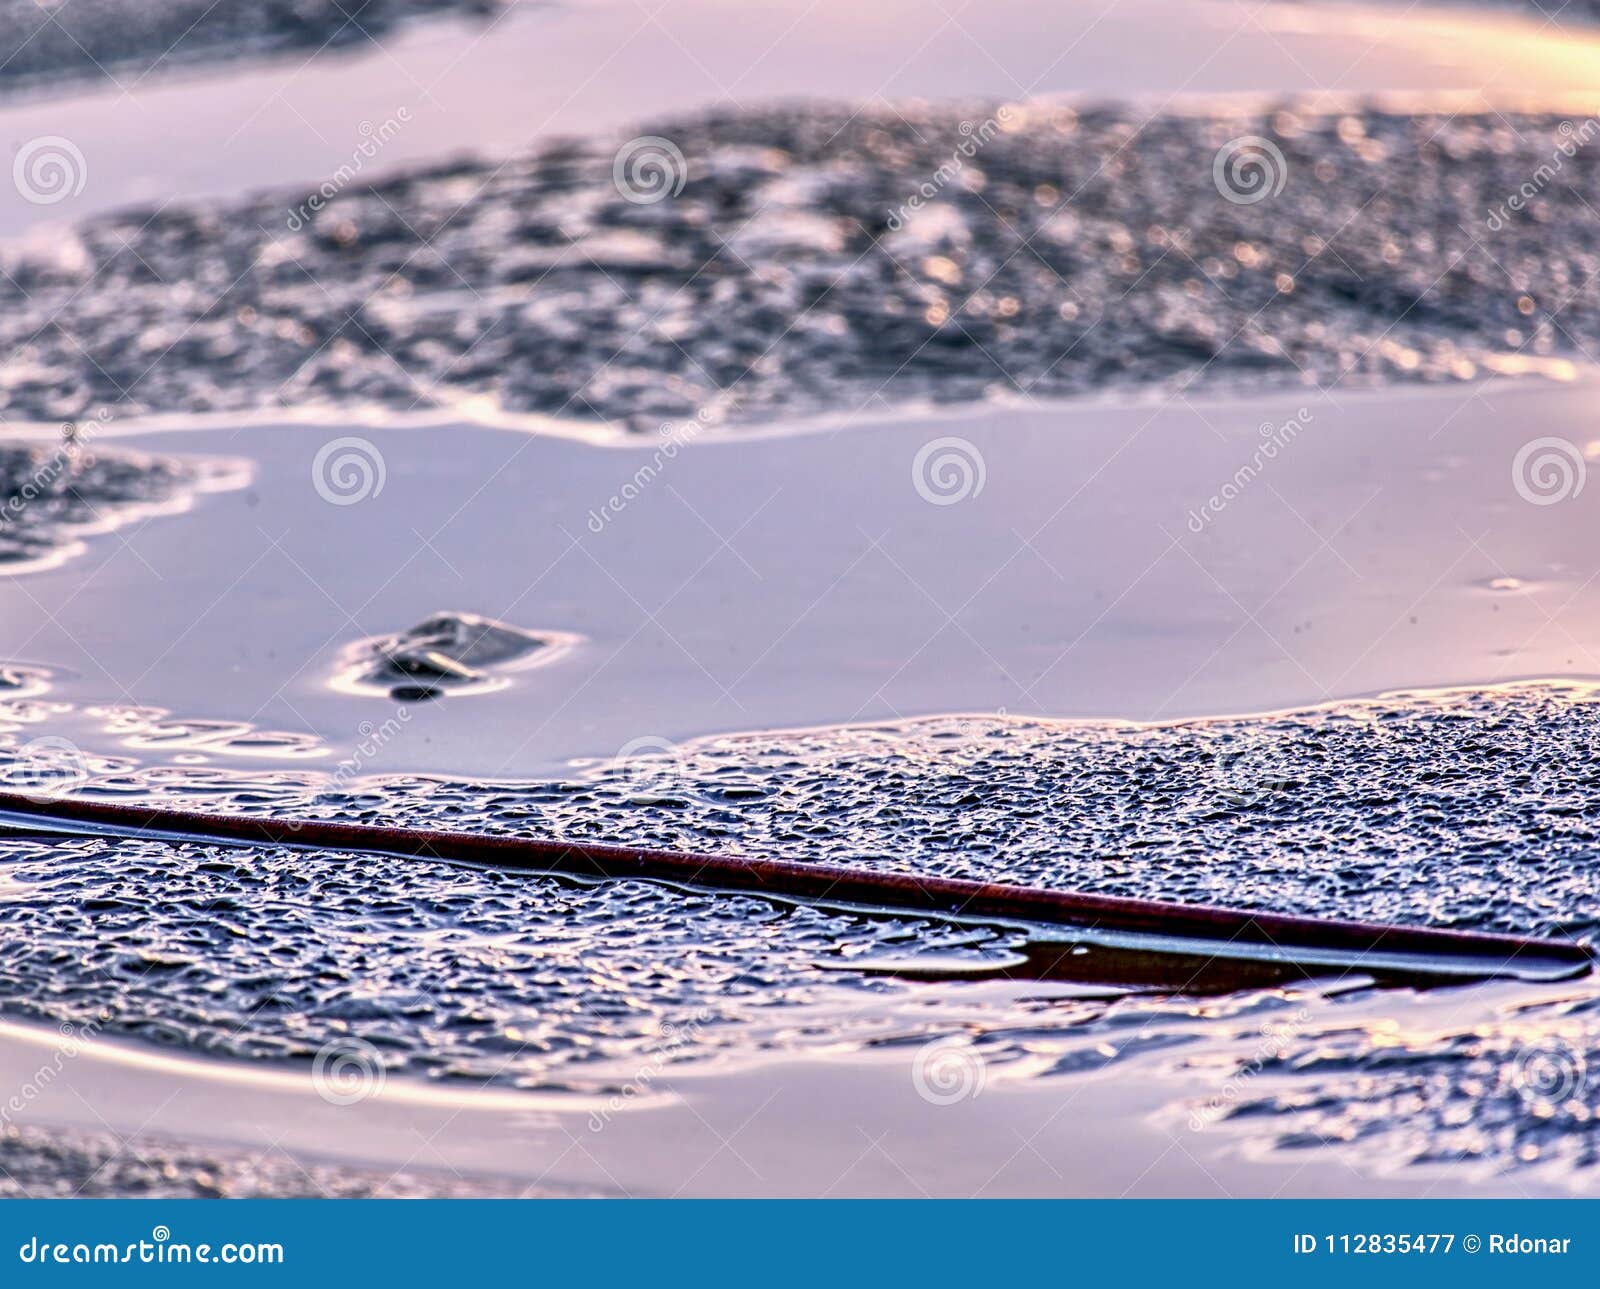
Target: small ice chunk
x,y
445,653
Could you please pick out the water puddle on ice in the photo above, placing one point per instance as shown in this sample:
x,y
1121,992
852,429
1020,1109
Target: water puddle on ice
x,y
1089,561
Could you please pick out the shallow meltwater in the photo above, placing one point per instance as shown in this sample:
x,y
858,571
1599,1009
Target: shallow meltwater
x,y
1459,808
1102,561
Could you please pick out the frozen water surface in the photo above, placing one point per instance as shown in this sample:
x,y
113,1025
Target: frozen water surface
x,y
739,632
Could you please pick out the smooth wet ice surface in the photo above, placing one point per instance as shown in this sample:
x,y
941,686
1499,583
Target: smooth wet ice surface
x,y
1088,575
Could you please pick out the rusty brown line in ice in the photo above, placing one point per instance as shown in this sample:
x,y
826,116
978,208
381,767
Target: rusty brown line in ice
x,y
1235,932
